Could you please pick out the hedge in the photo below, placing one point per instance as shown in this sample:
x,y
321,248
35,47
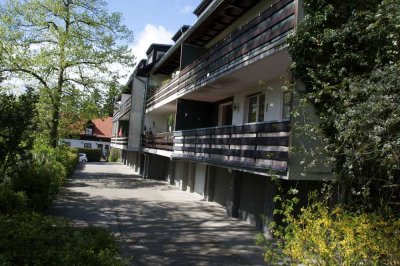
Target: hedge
x,y
33,239
115,155
93,155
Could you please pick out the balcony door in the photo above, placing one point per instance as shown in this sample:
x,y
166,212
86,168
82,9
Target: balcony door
x,y
225,114
256,108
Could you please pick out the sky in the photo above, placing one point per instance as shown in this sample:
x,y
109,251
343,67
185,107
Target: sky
x,y
154,21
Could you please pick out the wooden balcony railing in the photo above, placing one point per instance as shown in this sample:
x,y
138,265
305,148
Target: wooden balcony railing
x,y
123,109
119,140
160,141
262,146
252,42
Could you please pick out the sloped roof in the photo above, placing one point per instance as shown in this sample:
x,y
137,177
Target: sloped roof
x,y
102,127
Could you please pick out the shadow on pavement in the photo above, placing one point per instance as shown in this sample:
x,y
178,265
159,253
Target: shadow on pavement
x,y
156,223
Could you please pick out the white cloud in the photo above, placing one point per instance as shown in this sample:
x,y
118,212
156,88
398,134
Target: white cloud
x,y
186,10
150,34
14,85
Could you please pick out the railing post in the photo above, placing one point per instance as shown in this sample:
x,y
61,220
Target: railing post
x,y
255,147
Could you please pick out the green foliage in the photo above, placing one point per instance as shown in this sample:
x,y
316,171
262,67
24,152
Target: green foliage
x,y
17,122
347,55
114,89
93,155
11,201
66,49
115,155
324,236
41,183
36,182
33,239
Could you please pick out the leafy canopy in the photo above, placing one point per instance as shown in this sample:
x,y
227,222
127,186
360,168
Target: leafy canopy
x,y
347,55
17,120
63,47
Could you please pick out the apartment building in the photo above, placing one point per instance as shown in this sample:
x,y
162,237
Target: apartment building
x,y
210,115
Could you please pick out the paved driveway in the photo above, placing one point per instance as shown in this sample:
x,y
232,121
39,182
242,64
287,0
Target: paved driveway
x,y
156,223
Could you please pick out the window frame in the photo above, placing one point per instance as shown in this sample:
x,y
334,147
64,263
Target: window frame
x,y
87,145
248,112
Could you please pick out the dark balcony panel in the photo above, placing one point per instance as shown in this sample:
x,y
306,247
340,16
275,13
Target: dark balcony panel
x,y
195,114
160,141
124,108
190,53
261,147
252,42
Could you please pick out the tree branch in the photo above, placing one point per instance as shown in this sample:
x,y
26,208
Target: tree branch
x,y
39,78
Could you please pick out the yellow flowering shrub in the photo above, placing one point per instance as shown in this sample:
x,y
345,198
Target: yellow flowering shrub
x,y
323,236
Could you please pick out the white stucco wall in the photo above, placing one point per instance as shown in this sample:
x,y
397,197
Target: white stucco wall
x,y
273,97
157,122
136,113
78,143
124,96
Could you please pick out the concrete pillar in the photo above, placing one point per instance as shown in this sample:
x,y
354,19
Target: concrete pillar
x,y
146,166
191,173
142,166
269,205
185,177
210,183
135,162
171,173
234,199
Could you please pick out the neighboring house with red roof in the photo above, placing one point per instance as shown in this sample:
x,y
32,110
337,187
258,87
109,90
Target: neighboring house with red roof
x,y
97,135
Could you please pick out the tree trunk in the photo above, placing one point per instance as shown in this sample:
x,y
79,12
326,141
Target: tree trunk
x,y
57,97
55,117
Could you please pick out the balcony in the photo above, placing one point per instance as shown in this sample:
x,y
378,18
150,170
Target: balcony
x,y
261,147
119,142
159,141
252,42
123,109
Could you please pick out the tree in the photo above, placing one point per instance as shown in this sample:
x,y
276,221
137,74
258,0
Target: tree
x,y
17,120
347,55
113,91
62,46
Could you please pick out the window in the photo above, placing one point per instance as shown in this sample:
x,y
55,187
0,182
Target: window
x,y
287,105
87,145
159,55
150,58
225,114
106,147
100,146
89,131
67,143
256,108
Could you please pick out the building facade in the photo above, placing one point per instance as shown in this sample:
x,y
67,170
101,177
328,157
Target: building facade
x,y
97,135
210,114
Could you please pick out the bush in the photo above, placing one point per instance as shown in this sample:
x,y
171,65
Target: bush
x,y
11,201
33,239
68,157
93,155
41,178
115,155
323,236
40,182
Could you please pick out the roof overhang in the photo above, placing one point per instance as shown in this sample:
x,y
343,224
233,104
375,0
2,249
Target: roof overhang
x,y
215,19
